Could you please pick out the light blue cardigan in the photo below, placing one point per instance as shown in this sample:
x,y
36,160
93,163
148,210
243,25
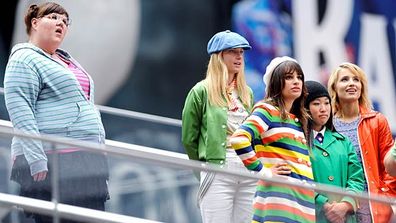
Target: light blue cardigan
x,y
42,96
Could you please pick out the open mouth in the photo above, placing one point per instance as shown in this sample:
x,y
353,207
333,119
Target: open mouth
x,y
351,90
58,31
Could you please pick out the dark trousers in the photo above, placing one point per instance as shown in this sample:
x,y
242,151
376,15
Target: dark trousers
x,y
82,181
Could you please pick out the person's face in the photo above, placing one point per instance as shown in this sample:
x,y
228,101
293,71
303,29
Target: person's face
x,y
233,59
51,29
320,109
348,86
292,88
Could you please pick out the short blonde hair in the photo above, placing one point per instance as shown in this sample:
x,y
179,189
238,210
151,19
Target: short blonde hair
x,y
364,100
216,82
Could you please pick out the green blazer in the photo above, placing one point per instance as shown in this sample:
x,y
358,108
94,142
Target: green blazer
x,y
204,127
335,162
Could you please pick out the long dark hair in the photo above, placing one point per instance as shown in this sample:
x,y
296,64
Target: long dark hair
x,y
274,92
329,124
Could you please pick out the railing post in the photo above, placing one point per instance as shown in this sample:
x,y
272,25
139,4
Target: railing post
x,y
55,182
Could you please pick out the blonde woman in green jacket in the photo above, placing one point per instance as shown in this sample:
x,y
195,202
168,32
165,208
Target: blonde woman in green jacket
x,y
334,160
213,109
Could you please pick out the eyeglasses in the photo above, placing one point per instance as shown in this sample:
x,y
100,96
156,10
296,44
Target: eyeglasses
x,y
57,17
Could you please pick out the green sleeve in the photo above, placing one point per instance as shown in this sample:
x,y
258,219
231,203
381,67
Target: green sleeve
x,y
191,122
351,201
320,200
394,150
355,178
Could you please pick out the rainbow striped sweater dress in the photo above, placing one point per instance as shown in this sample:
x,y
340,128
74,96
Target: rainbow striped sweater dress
x,y
264,140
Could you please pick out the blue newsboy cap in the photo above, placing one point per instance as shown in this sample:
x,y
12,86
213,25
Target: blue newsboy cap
x,y
227,40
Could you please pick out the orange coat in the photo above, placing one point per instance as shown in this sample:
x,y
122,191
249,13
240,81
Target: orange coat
x,y
375,140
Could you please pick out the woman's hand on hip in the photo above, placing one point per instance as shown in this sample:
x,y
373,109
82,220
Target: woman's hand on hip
x,y
281,169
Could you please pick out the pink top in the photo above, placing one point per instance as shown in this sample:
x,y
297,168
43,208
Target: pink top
x,y
81,77
85,85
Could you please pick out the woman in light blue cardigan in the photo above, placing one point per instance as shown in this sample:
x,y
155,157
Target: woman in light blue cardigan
x,y
48,92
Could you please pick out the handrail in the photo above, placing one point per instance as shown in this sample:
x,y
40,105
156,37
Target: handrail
x,y
8,124
179,160
140,116
134,114
66,211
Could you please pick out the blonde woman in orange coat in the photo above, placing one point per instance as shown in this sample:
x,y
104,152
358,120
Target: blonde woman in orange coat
x,y
369,132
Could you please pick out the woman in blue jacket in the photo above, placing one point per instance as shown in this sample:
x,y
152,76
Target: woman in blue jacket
x,y
48,92
334,160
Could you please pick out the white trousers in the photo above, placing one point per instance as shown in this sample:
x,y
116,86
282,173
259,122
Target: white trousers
x,y
225,198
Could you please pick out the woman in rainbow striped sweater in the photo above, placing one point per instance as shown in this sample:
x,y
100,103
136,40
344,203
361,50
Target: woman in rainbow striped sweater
x,y
272,141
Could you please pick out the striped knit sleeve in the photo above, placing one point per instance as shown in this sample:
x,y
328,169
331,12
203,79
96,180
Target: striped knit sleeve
x,y
21,89
250,131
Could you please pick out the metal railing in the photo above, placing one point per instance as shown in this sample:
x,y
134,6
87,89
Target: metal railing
x,y
135,115
168,158
163,157
65,211
59,210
